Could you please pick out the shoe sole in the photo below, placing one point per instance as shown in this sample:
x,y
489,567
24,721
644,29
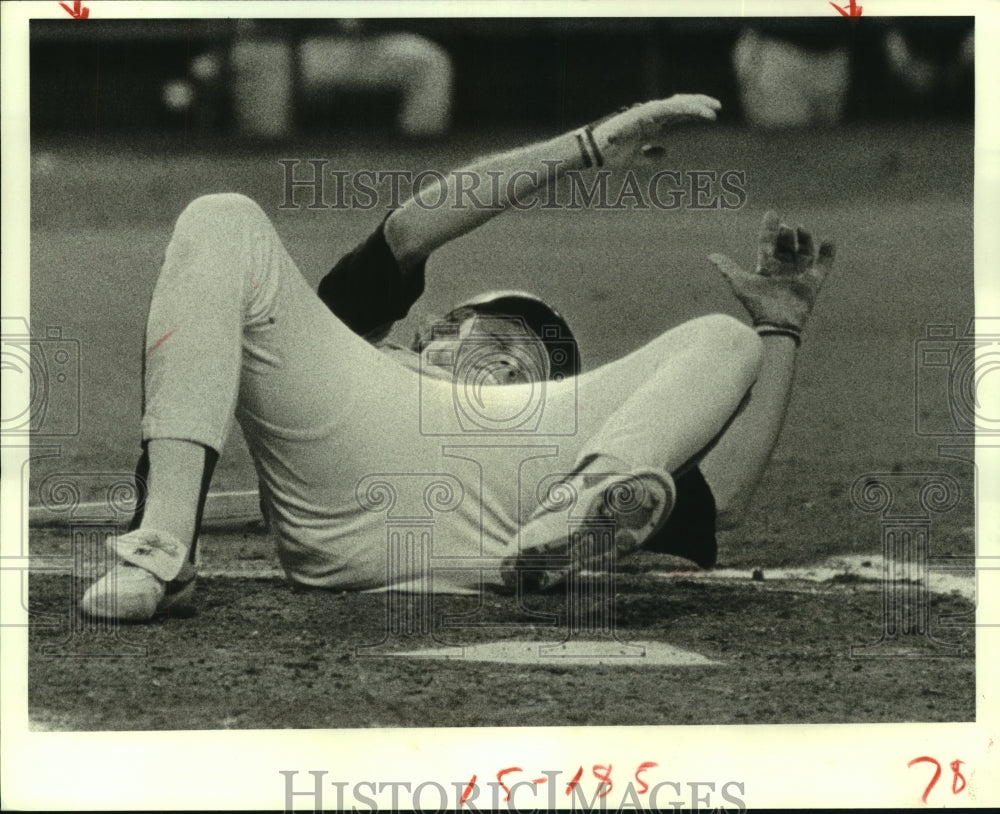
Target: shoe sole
x,y
545,565
177,599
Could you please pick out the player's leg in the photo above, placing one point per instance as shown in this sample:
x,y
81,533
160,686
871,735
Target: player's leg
x,y
642,420
235,328
229,314
191,370
723,427
663,404
157,568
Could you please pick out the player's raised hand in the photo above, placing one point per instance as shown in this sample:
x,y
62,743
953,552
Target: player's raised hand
x,y
782,290
640,129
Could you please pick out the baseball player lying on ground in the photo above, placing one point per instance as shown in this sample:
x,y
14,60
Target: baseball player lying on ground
x,y
668,442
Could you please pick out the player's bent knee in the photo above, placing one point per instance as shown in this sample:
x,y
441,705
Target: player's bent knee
x,y
737,339
223,211
735,342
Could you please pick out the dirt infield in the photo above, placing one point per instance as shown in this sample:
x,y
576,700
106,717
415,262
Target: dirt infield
x,y
262,654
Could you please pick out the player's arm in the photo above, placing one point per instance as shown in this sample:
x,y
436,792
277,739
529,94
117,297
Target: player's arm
x,y
455,204
779,295
375,285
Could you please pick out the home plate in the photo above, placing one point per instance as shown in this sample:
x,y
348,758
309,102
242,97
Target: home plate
x,y
578,652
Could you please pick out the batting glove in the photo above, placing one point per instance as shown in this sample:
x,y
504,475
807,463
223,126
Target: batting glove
x,y
781,293
640,130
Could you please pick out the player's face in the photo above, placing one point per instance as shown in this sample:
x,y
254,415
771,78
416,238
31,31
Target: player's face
x,y
490,351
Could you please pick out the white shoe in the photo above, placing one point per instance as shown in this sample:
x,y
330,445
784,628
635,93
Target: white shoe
x,y
636,503
130,593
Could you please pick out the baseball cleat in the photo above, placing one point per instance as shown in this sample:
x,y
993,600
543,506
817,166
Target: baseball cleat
x,y
621,511
130,593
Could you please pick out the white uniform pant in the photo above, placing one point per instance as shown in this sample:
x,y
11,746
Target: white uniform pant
x,y
351,445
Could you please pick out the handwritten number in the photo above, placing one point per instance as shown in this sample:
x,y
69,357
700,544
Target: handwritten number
x,y
604,775
500,775
468,790
642,767
937,773
958,782
956,776
572,783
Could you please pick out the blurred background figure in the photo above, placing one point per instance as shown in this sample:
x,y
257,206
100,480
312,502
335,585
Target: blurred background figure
x,y
410,65
262,81
258,80
273,75
793,72
931,64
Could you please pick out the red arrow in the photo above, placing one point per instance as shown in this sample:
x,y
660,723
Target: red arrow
x,y
853,10
79,11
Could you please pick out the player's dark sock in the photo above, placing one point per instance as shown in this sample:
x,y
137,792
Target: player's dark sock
x,y
689,531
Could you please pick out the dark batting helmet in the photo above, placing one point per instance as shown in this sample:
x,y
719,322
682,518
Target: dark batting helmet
x,y
542,319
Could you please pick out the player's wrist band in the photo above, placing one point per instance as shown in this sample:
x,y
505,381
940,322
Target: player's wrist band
x,y
585,140
770,329
589,151
588,131
582,145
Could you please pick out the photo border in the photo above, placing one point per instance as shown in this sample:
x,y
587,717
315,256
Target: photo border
x,y
848,765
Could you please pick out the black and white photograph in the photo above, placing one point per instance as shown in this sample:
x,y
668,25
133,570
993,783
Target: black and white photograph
x,y
536,408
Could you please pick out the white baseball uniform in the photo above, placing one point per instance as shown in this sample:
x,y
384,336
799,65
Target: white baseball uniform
x,y
357,450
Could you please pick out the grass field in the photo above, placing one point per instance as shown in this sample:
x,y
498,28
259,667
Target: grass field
x,y
898,202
